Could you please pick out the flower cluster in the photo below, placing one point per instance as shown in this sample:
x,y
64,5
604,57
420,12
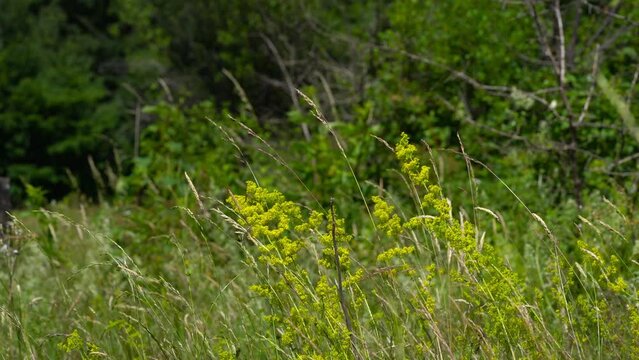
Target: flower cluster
x,y
267,215
495,288
303,303
75,343
407,155
607,270
387,220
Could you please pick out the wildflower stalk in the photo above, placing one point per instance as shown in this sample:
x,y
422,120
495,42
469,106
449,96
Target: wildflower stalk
x,y
340,289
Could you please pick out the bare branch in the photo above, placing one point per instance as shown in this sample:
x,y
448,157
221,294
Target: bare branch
x,y
282,66
541,36
562,44
591,91
631,90
612,13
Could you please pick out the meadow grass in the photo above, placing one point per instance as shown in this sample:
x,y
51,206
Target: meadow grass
x,y
257,275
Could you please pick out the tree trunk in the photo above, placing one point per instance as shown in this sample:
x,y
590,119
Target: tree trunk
x,y
5,201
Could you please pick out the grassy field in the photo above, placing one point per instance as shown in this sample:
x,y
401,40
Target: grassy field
x,y
405,273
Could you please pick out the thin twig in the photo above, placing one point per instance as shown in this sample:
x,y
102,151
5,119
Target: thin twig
x,y
562,44
541,36
631,90
240,92
282,66
591,91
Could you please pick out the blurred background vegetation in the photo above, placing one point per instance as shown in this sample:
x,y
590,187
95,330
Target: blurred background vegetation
x,y
125,87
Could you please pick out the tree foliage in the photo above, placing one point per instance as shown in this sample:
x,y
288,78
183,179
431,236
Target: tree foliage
x,y
515,80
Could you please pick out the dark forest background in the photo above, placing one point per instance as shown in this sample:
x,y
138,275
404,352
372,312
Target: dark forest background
x,y
125,86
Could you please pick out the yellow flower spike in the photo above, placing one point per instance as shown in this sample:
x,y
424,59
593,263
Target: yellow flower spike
x,y
409,162
388,221
393,253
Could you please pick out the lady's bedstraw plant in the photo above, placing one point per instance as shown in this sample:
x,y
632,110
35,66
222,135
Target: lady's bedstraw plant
x,y
491,290
602,295
306,299
452,298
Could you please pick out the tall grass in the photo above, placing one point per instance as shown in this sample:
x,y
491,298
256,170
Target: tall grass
x,y
256,275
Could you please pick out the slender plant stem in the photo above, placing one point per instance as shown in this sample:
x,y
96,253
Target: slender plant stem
x,y
340,289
